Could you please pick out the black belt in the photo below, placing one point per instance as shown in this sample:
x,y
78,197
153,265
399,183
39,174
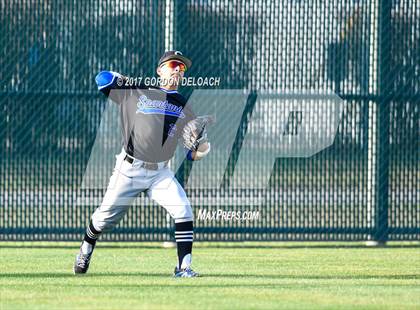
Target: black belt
x,y
146,165
129,159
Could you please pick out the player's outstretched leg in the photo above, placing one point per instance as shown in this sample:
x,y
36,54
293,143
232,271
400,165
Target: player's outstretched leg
x,y
184,240
81,265
117,200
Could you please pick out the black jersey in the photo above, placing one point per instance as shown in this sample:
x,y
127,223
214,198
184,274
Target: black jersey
x,y
152,119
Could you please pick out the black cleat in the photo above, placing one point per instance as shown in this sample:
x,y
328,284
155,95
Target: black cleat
x,y
81,265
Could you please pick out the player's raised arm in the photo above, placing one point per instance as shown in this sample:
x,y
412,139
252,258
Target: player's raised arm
x,y
111,84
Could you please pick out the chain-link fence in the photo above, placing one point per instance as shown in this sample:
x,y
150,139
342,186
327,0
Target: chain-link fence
x,y
362,186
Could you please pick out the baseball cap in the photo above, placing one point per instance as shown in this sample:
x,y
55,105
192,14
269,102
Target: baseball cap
x,y
174,55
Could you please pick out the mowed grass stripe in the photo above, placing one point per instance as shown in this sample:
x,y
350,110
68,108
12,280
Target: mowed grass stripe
x,y
234,277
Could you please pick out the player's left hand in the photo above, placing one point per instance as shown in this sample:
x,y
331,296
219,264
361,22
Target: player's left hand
x,y
195,133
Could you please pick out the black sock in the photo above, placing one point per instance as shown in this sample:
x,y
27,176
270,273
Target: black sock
x,y
91,234
184,239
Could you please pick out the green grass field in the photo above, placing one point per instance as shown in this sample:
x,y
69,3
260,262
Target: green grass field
x,y
234,276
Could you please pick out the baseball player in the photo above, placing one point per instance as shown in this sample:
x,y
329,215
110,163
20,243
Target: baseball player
x,y
153,119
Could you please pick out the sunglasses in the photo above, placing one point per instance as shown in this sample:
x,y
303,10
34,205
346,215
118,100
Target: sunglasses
x,y
173,64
